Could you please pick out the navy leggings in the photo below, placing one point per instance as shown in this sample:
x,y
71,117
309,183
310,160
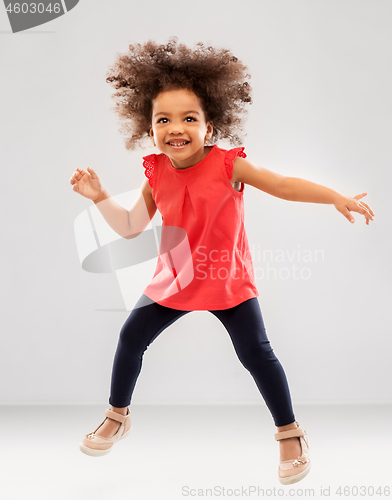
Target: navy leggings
x,y
245,325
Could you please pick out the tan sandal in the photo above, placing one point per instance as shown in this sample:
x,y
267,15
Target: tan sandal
x,y
96,446
292,471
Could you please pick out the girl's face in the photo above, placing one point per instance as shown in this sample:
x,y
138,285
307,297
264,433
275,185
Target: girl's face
x,y
179,127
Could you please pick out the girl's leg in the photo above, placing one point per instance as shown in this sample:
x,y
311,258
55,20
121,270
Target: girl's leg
x,y
145,322
245,325
247,331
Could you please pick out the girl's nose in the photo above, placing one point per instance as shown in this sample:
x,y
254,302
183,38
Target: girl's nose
x,y
176,128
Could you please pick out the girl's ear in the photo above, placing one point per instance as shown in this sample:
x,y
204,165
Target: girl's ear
x,y
152,136
210,129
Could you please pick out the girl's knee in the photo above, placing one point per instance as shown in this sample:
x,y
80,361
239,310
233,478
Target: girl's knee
x,y
256,355
132,339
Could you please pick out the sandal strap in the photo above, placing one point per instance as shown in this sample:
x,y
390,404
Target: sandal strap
x,y
290,434
116,416
291,464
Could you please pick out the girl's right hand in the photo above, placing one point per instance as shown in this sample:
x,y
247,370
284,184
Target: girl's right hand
x,y
87,183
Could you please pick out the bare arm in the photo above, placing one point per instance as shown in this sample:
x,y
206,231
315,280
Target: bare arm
x,y
128,224
142,211
295,189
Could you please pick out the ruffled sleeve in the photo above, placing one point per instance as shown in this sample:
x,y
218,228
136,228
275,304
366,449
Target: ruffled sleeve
x,y
149,164
229,158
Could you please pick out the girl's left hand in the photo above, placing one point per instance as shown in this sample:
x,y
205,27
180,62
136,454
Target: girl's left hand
x,y
345,204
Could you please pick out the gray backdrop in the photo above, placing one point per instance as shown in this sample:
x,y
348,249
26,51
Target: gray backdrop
x,y
321,81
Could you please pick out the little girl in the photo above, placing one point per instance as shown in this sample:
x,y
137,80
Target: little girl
x,y
183,100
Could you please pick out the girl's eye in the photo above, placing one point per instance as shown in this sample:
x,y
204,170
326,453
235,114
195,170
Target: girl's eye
x,y
188,118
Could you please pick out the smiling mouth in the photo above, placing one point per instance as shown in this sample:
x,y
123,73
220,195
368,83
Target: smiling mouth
x,y
178,144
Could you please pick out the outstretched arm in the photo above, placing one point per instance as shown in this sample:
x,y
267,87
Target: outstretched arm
x,y
295,189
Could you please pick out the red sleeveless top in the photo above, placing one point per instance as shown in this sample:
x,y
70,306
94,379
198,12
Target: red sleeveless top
x,y
204,262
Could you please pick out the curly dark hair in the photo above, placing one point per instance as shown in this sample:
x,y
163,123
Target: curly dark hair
x,y
215,76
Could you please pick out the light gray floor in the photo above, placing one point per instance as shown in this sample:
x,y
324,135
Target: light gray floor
x,y
173,449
